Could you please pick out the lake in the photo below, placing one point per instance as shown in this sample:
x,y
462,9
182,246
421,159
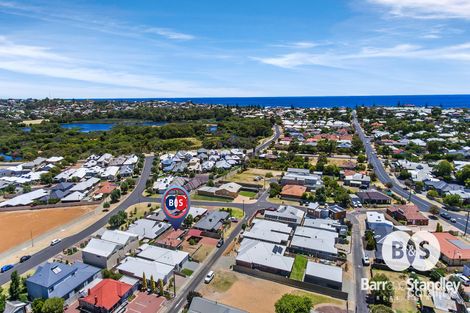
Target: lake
x,y
9,157
94,127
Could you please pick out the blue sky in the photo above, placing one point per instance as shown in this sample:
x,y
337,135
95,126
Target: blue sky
x,y
187,48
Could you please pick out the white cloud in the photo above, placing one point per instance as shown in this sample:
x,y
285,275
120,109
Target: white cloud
x,y
41,61
168,33
459,52
427,9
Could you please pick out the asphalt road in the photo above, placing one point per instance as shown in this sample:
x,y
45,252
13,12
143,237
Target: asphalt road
x,y
359,269
383,176
49,252
277,133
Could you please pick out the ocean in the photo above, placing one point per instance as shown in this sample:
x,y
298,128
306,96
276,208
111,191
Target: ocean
x,y
445,101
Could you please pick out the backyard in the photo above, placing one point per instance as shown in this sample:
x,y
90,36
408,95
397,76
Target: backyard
x,y
298,269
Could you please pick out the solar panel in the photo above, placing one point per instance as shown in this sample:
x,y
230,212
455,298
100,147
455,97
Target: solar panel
x,y
460,244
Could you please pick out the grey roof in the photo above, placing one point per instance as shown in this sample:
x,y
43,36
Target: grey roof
x,y
63,186
162,255
148,229
324,271
201,305
315,239
265,254
118,236
286,213
101,247
212,221
64,278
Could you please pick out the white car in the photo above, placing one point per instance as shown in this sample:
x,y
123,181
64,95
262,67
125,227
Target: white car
x,y
365,260
209,277
55,241
464,279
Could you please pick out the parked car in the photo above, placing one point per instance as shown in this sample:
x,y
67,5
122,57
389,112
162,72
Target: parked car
x,y
464,279
445,215
25,258
220,243
5,268
453,220
234,219
55,241
209,277
365,260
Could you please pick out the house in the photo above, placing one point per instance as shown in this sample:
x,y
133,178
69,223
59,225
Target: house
x,y
264,256
326,224
26,198
104,160
201,305
302,177
15,307
126,170
357,180
136,267
162,184
75,196
101,253
34,164
336,212
86,185
148,229
213,221
129,242
228,190
286,214
376,219
110,173
373,197
269,231
317,242
454,251
324,275
293,192
408,213
60,280
174,258
105,189
107,296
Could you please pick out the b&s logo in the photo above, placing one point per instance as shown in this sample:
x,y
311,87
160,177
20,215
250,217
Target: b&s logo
x,y
420,251
175,202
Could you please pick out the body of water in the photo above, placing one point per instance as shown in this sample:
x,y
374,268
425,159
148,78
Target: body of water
x,y
446,101
93,127
9,157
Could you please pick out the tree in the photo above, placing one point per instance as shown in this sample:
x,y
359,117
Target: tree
x,y
46,178
15,286
53,305
320,195
161,291
124,187
384,291
290,303
436,274
434,210
117,220
432,194
37,305
153,286
361,158
439,228
463,175
453,200
191,295
210,183
115,195
144,282
2,300
380,308
443,169
188,222
404,174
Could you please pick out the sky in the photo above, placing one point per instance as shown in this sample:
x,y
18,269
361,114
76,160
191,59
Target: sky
x,y
243,48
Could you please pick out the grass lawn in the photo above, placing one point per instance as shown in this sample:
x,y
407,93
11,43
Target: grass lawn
x,y
298,269
249,194
187,271
209,198
281,201
250,174
202,253
318,299
235,212
403,305
223,281
139,209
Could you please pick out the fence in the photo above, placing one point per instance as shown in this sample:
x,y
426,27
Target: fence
x,y
48,206
293,283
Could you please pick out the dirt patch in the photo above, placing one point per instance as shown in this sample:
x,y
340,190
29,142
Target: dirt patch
x,y
202,253
240,293
17,227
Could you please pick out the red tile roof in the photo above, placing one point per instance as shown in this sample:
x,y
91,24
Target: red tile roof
x,y
293,191
106,188
410,212
107,293
449,249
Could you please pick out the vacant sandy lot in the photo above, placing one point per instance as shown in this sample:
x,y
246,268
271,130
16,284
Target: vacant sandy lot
x,y
33,122
236,290
249,175
16,227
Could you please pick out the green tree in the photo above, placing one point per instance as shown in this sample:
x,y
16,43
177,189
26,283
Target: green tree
x,y
15,286
434,210
436,274
384,293
115,195
53,305
380,308
46,178
189,220
153,286
161,290
290,303
37,305
361,158
453,200
2,300
210,183
124,187
443,169
144,282
463,175
432,194
117,220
